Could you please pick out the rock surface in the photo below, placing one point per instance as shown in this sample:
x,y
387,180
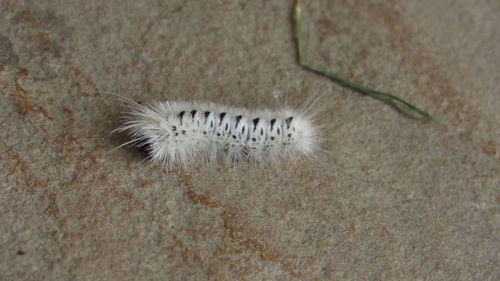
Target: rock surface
x,y
394,198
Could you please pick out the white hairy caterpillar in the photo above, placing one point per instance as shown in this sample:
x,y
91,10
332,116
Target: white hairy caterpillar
x,y
177,133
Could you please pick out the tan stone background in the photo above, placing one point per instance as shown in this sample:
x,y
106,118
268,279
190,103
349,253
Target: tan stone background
x,y
395,199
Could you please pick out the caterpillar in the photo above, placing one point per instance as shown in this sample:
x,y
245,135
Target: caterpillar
x,y
177,133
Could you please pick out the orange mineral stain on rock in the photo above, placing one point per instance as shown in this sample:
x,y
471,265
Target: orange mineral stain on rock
x,y
489,148
24,102
237,233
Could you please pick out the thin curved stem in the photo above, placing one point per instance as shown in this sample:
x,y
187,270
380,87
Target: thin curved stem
x,y
401,105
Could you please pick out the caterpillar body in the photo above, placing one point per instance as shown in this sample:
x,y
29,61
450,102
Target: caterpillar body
x,y
177,133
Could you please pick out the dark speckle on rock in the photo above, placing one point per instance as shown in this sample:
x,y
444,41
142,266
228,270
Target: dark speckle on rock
x,y
7,54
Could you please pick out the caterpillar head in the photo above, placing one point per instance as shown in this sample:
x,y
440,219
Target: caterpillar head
x,y
302,134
